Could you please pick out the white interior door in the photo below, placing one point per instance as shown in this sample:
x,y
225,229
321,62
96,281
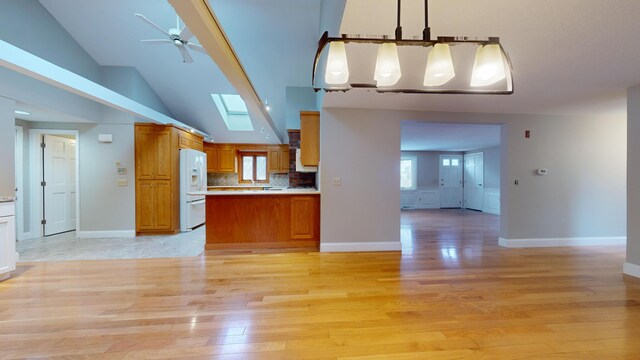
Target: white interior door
x,y
59,157
19,183
474,181
450,181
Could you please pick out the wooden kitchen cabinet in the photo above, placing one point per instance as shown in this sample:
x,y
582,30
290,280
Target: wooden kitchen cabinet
x,y
226,158
221,158
153,205
152,152
187,140
212,157
157,164
278,159
310,138
303,217
254,221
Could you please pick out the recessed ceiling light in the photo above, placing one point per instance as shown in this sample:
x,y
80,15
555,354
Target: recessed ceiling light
x,y
20,112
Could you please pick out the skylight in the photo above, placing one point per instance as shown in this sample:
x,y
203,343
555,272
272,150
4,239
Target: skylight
x,y
233,111
234,104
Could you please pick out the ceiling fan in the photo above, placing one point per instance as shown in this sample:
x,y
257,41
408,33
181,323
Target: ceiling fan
x,y
179,38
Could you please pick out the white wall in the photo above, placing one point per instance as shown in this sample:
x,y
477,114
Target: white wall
x,y
632,266
574,200
127,81
29,26
7,147
298,99
104,206
364,153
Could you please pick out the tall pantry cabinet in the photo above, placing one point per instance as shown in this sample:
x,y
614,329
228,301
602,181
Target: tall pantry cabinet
x,y
157,163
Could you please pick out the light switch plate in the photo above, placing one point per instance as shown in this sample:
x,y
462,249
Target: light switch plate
x,y
123,182
336,181
122,171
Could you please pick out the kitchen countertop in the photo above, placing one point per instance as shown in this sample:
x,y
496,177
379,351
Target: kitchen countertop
x,y
258,192
7,199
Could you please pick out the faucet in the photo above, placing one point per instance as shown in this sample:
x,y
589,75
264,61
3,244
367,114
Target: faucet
x,y
253,183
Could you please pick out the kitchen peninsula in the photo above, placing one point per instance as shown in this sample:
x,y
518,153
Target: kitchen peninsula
x,y
258,219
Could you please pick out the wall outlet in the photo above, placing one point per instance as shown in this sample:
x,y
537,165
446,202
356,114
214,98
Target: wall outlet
x,y
123,182
336,181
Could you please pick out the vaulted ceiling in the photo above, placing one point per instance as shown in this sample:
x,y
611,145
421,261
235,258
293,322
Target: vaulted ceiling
x,y
569,57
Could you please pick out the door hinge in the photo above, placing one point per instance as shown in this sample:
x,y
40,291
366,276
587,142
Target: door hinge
x,y
43,145
43,183
43,222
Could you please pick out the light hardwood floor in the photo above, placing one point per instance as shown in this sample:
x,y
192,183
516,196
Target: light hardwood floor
x,y
452,294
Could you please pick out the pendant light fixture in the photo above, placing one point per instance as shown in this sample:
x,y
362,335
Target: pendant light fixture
x,y
490,69
337,66
387,71
439,66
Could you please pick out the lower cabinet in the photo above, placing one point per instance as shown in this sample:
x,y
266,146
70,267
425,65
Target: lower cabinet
x,y
7,239
262,221
153,207
303,210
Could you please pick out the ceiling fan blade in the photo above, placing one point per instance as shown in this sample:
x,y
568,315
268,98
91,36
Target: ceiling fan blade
x,y
186,57
186,34
157,41
196,47
141,17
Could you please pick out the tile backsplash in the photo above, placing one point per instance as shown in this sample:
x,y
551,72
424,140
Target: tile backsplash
x,y
231,179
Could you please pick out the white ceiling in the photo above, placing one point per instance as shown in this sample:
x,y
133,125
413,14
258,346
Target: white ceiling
x,y
111,34
420,136
569,57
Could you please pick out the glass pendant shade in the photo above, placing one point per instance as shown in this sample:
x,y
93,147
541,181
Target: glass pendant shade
x,y
337,67
488,68
387,71
439,66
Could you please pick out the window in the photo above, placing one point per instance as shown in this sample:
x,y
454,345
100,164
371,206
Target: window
x,y
408,172
233,111
446,162
253,167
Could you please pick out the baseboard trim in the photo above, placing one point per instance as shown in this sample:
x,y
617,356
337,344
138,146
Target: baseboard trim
x,y
25,236
361,246
556,242
631,269
105,234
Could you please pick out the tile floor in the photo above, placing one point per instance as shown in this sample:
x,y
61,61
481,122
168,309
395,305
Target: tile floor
x,y
67,247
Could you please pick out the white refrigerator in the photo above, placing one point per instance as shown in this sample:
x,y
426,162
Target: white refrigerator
x,y
193,178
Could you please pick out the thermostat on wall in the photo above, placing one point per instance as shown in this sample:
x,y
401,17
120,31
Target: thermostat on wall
x,y
541,171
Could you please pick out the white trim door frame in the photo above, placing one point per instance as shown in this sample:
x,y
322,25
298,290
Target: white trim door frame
x,y
35,175
20,234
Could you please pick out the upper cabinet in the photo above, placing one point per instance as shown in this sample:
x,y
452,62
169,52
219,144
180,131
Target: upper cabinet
x,y
221,158
310,138
190,141
278,159
153,152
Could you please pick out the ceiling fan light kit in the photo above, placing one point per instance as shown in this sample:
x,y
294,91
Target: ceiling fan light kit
x,y
176,36
444,73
